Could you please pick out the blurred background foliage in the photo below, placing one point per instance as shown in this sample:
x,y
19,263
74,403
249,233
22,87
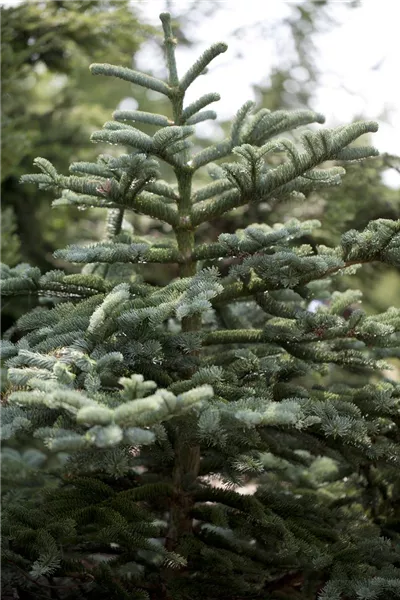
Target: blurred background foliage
x,y
51,105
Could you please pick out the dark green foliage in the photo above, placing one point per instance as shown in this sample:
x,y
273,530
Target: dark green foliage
x,y
229,434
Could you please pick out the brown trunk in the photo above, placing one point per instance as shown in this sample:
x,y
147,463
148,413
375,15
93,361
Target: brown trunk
x,y
185,472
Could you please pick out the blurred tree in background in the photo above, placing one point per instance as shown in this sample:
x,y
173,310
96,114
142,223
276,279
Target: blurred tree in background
x,y
46,50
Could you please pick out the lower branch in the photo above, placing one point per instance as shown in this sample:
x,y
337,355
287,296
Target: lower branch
x,y
234,336
239,289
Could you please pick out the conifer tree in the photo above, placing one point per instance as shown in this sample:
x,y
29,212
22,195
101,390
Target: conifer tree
x,y
135,413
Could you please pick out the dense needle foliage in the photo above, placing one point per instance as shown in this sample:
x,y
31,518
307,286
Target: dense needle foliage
x,y
209,438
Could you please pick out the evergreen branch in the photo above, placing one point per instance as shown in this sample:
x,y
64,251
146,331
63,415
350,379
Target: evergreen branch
x,y
81,576
165,143
111,252
25,281
87,168
240,120
128,137
211,190
281,309
266,124
234,336
322,147
165,139
380,240
83,201
170,43
201,63
132,76
355,154
95,284
147,204
343,357
114,222
207,211
143,202
142,117
280,335
209,251
202,116
237,290
196,106
162,188
115,126
211,153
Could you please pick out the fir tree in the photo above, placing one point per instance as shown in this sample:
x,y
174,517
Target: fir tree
x,y
135,413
